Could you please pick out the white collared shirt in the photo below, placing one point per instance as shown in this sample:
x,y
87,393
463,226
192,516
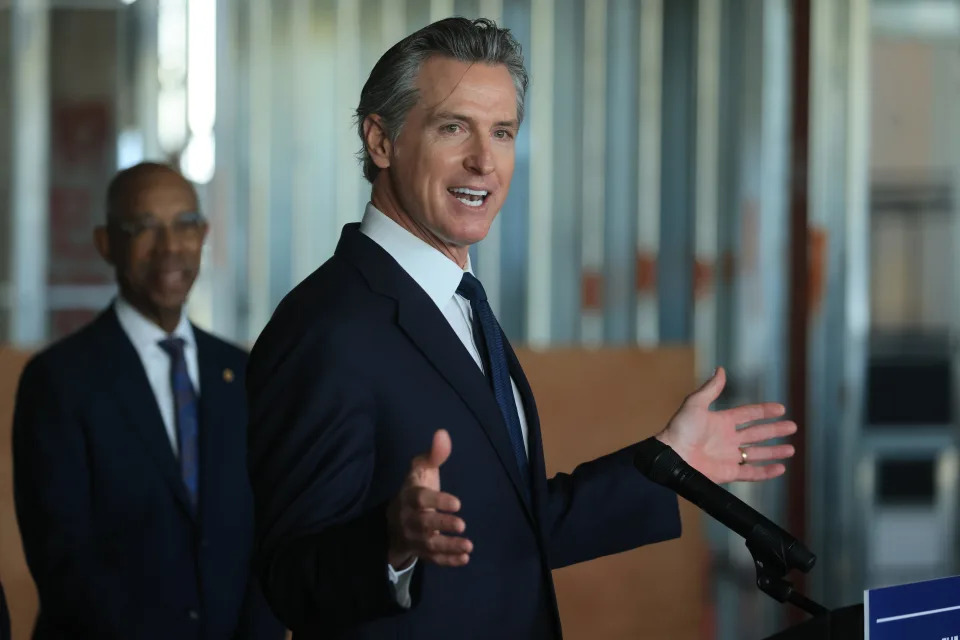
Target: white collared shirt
x,y
145,336
439,277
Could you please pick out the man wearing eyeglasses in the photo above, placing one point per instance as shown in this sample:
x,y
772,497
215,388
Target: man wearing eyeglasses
x,y
130,447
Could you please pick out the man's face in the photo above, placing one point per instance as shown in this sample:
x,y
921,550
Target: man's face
x,y
450,168
155,242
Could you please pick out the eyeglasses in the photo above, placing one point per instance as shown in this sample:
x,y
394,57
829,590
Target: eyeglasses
x,y
187,226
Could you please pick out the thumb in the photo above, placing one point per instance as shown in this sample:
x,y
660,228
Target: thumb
x,y
425,468
708,393
439,451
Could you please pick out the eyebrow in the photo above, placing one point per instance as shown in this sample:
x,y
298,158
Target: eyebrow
x,y
137,216
449,115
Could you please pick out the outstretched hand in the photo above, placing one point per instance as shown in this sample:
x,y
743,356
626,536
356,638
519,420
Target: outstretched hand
x,y
711,442
421,515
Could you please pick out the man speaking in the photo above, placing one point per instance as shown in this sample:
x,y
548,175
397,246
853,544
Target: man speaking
x,y
394,444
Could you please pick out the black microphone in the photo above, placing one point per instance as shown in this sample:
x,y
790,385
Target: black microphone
x,y
664,466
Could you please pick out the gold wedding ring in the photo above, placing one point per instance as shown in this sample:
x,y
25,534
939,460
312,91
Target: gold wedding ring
x,y
743,456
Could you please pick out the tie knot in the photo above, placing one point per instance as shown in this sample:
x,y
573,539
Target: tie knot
x,y
471,289
173,346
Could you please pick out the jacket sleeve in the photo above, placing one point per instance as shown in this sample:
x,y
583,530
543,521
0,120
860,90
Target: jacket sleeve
x,y
257,621
322,554
52,478
606,506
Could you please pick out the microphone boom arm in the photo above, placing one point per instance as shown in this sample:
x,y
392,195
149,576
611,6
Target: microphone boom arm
x,y
769,559
774,551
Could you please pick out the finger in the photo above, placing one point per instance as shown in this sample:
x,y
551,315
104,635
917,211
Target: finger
x,y
753,412
709,391
756,473
450,561
421,498
765,454
441,545
764,432
423,525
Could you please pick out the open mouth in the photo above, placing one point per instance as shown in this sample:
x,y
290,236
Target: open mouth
x,y
469,197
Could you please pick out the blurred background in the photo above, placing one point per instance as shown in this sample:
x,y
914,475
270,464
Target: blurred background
x,y
770,181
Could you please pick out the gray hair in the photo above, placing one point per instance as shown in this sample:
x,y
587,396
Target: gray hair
x,y
391,90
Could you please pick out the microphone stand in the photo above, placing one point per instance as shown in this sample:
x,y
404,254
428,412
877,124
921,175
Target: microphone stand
x,y
770,560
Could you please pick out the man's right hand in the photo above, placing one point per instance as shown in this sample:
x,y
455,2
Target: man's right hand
x,y
420,517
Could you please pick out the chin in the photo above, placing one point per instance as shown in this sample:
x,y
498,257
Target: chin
x,y
472,235
169,300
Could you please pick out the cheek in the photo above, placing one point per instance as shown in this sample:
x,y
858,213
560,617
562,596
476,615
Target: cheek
x,y
505,164
136,265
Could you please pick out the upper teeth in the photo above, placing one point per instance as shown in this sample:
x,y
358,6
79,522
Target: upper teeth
x,y
469,192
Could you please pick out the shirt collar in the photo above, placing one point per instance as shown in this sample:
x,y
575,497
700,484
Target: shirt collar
x,y
143,333
437,275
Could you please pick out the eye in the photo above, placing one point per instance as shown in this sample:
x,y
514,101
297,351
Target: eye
x,y
453,127
503,134
140,227
189,221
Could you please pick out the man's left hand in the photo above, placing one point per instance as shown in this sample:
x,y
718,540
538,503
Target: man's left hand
x,y
711,442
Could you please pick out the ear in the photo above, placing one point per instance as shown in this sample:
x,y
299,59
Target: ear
x,y
101,240
378,143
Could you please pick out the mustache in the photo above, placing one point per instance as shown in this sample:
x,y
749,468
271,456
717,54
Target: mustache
x,y
164,266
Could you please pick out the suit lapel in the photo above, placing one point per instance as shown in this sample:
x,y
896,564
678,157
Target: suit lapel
x,y
133,392
426,327
534,440
214,401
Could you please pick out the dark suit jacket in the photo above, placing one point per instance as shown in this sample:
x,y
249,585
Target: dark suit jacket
x,y
4,617
109,536
348,382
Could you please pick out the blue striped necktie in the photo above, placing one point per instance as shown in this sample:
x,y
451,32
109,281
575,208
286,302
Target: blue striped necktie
x,y
185,406
489,338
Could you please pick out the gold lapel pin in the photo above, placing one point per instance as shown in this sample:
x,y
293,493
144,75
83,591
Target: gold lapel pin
x,y
228,375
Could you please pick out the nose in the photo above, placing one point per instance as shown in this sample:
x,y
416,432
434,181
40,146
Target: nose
x,y
167,240
480,159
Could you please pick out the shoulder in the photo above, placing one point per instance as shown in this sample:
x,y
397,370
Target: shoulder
x,y
327,305
332,313
66,371
79,351
223,350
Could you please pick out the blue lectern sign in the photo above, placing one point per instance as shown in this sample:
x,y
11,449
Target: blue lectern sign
x,y
918,611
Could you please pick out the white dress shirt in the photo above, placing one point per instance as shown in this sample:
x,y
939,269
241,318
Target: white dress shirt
x,y
439,277
145,336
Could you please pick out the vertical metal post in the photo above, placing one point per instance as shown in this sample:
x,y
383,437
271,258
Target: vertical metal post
x,y
857,271
488,251
304,214
709,16
259,132
798,294
539,307
594,139
352,191
648,187
29,180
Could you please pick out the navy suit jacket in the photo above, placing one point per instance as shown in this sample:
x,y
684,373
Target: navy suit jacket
x,y
109,536
347,383
4,617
